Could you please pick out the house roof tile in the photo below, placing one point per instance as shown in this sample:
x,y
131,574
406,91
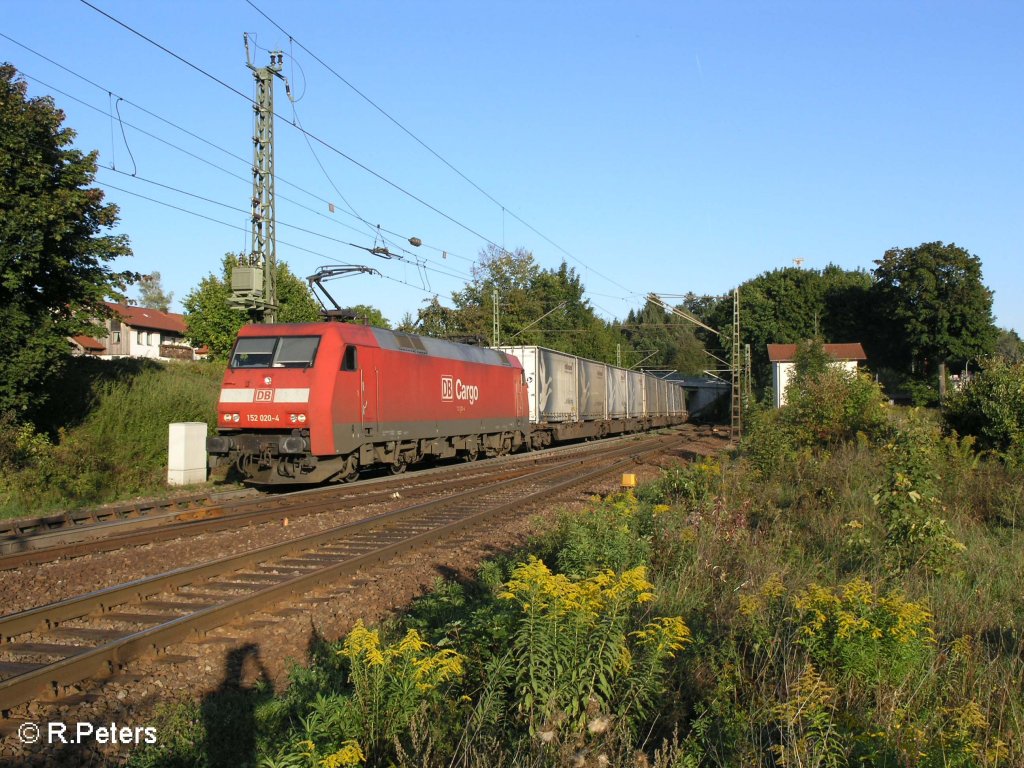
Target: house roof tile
x,y
143,317
88,343
785,353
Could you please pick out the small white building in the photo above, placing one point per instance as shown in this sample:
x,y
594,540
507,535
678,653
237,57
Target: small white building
x,y
782,358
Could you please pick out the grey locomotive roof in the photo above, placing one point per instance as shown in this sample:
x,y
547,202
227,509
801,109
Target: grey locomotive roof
x,y
424,345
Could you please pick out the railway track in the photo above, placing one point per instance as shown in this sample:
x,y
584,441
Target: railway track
x,y
104,530
14,529
44,649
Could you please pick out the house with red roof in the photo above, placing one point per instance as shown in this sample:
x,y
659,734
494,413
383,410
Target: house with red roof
x,y
782,357
138,332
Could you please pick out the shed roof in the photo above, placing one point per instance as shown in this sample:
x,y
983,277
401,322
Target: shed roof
x,y
785,353
142,317
88,343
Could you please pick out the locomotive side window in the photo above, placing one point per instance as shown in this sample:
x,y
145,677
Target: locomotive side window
x,y
350,362
275,352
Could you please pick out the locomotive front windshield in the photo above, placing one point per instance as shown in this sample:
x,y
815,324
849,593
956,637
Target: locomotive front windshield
x,y
275,352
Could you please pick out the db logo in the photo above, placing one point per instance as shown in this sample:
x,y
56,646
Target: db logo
x,y
264,395
447,388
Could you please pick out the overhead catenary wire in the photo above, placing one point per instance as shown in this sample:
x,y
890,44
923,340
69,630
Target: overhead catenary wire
x,y
307,135
234,90
311,135
504,209
245,229
203,160
244,211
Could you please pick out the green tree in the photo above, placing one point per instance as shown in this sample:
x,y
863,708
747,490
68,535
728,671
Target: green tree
x,y
505,276
152,294
371,316
1009,345
212,321
568,322
535,306
435,320
933,307
671,338
790,305
55,268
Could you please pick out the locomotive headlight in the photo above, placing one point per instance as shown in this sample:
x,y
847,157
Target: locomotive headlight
x,y
302,418
227,417
294,418
235,418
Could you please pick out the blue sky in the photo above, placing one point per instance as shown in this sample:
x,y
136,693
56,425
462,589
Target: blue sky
x,y
654,146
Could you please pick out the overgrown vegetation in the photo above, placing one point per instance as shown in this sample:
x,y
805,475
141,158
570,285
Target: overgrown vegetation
x,y
990,406
116,444
855,604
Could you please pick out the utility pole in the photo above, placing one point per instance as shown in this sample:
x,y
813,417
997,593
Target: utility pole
x,y
254,281
736,358
496,320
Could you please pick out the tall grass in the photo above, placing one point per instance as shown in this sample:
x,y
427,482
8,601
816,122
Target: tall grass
x,y
117,444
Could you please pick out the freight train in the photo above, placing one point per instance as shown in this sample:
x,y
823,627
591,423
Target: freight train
x,y
310,403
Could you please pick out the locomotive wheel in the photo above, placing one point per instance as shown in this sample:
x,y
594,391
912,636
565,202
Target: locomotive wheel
x,y
351,477
471,456
397,469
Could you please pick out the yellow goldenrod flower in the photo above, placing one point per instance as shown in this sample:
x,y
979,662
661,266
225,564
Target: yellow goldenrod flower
x,y
350,754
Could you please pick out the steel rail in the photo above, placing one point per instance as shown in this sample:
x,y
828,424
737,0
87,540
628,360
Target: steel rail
x,y
89,662
82,539
42,617
18,528
230,520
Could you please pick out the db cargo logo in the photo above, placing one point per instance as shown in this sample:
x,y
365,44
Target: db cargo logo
x,y
454,389
264,395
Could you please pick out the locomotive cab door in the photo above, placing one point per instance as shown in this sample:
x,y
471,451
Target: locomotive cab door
x,y
369,385
355,399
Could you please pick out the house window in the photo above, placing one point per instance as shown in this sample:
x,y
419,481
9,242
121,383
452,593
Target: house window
x,y
140,338
115,337
154,339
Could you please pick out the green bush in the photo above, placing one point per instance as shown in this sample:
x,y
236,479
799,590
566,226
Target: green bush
x,y
909,502
990,406
693,484
863,635
825,406
581,650
615,533
832,406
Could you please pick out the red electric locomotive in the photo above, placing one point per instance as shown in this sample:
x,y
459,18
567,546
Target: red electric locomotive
x,y
316,402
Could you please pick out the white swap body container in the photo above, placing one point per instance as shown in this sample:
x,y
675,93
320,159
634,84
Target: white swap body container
x,y
593,389
551,381
651,395
635,395
618,404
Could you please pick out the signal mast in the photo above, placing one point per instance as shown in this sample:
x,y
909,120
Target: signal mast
x,y
254,279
